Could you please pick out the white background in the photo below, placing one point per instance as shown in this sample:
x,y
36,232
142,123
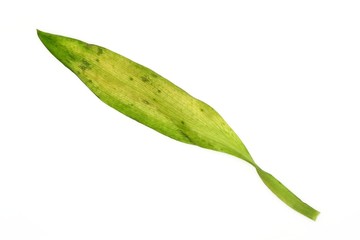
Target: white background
x,y
284,74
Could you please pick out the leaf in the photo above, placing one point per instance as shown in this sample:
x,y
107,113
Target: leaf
x,y
152,100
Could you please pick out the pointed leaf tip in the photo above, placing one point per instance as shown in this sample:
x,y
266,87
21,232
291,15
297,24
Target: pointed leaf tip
x,y
40,33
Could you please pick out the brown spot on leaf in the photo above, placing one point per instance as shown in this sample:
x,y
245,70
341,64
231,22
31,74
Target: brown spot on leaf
x,y
145,79
84,65
186,136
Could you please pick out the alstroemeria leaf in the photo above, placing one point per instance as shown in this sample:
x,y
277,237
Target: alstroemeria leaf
x,y
152,100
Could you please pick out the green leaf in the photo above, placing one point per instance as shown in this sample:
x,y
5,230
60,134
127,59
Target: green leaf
x,y
152,100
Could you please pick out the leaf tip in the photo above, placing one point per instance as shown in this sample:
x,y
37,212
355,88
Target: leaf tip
x,y
42,36
39,33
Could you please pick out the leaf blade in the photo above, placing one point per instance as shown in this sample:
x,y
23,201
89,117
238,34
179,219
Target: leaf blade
x,y
147,97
